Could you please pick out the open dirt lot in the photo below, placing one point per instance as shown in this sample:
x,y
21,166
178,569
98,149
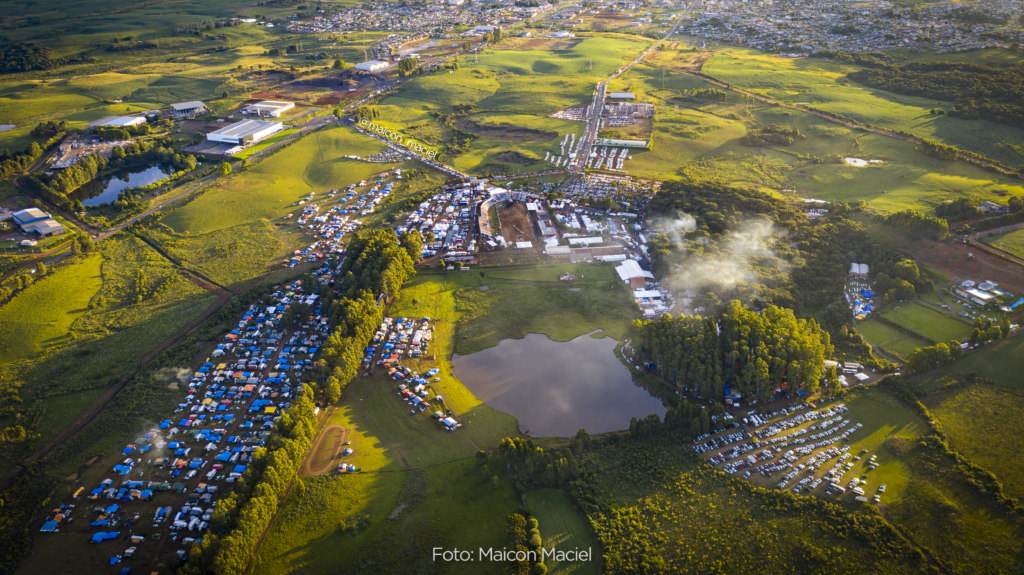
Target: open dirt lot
x,y
950,257
515,223
326,454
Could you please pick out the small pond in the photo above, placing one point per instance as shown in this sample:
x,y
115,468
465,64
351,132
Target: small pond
x,y
555,388
105,190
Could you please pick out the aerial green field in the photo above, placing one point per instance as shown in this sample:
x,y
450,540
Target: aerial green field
x,y
999,361
890,339
508,88
43,314
928,322
563,528
1011,242
821,84
266,144
982,421
393,519
272,188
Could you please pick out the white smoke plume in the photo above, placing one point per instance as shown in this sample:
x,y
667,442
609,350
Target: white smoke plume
x,y
722,273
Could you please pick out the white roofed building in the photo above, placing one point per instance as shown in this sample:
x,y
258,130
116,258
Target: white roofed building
x,y
272,108
192,108
245,132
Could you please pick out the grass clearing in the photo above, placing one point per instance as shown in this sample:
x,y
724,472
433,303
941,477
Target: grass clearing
x,y
562,527
271,188
43,315
928,322
999,361
389,519
1010,242
889,338
983,422
822,85
266,144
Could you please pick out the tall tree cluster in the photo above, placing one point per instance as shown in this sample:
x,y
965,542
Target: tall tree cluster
x,y
754,351
376,261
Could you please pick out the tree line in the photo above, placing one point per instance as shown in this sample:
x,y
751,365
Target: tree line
x,y
376,261
754,351
977,91
914,221
805,272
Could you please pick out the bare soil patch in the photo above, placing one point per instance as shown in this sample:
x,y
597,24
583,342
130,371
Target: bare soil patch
x,y
950,257
515,223
326,453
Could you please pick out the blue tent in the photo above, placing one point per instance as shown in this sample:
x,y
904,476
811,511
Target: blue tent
x,y
49,526
103,536
111,509
239,469
100,523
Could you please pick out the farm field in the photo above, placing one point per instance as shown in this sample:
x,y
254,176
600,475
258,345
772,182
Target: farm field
x,y
700,140
272,188
1010,242
890,339
983,422
928,322
999,361
562,527
44,313
389,518
821,84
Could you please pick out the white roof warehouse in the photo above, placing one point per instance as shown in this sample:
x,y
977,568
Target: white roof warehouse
x,y
245,132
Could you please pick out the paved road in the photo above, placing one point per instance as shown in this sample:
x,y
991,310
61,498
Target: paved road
x,y
578,163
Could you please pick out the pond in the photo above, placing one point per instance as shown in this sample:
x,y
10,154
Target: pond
x,y
555,388
105,190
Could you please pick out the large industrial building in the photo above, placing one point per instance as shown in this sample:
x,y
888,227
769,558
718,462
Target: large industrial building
x,y
245,133
621,143
117,122
268,108
183,109
36,221
371,65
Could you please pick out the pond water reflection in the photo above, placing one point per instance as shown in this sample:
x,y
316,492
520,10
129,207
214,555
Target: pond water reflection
x,y
105,190
555,388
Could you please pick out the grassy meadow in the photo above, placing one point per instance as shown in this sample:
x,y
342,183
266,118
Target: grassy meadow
x,y
821,84
700,140
982,421
43,314
512,89
272,188
1011,242
564,528
928,322
890,339
999,361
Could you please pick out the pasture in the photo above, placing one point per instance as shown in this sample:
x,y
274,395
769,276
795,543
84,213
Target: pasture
x,y
928,322
821,84
562,527
393,519
43,314
272,188
889,339
983,422
1010,242
999,361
